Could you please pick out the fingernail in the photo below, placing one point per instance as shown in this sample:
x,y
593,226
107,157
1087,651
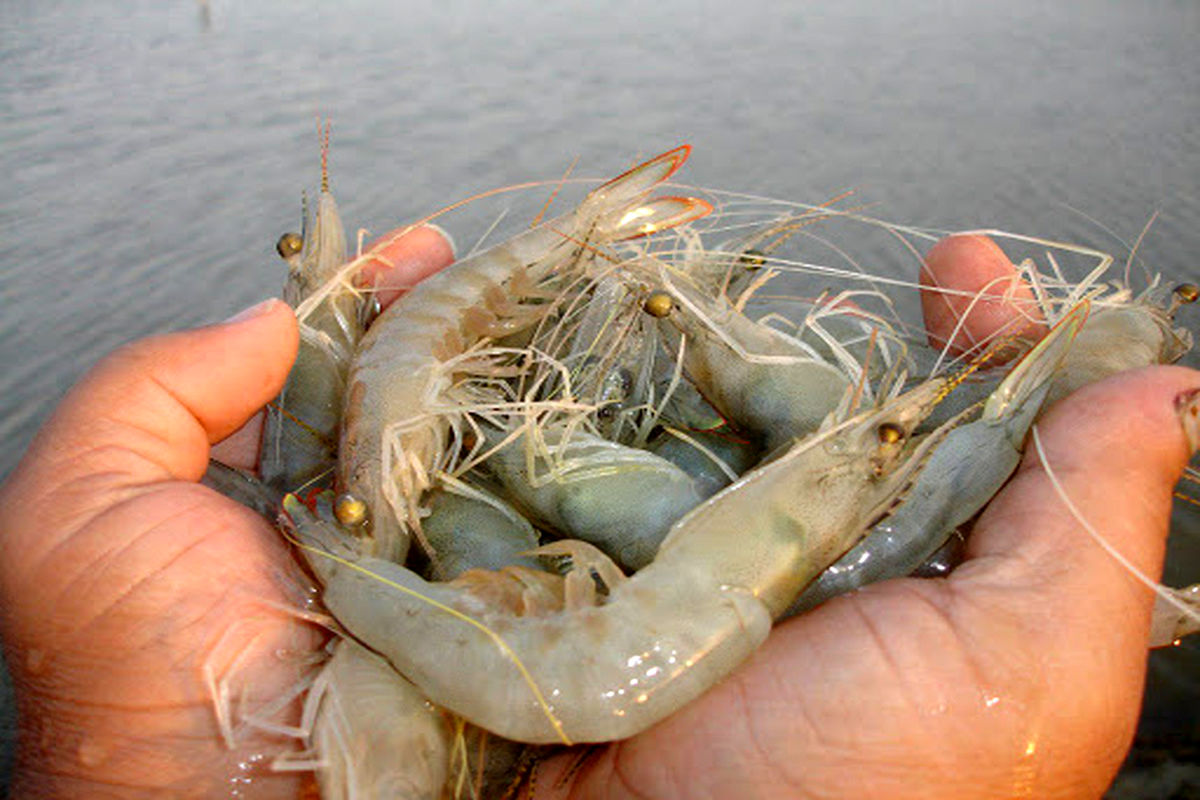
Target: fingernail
x,y
256,310
445,235
1187,405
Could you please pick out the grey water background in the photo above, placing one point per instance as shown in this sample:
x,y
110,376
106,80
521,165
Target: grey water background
x,y
152,151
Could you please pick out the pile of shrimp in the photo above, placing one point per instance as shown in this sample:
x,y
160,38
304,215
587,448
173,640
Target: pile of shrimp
x,y
590,465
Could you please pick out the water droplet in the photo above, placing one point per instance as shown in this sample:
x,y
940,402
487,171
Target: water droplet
x,y
248,770
92,753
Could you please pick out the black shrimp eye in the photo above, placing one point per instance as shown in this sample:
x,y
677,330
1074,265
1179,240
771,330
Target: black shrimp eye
x,y
753,259
1187,292
289,244
658,304
349,510
889,433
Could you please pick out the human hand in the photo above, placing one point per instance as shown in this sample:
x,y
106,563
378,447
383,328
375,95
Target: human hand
x,y
868,695
1019,675
124,580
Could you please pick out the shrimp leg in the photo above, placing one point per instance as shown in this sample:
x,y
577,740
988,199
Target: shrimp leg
x,y
1172,621
376,734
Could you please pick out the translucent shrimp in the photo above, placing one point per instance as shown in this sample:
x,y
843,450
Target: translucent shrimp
x,y
665,635
392,439
962,475
771,383
375,733
1125,333
580,484
300,437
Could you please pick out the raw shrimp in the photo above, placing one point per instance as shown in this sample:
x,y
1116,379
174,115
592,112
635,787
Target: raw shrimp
x,y
300,437
375,734
1125,334
395,429
469,528
580,484
772,384
962,475
359,712
665,635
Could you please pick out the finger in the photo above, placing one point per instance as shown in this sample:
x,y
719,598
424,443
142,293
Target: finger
x,y
971,292
403,258
1115,449
149,411
240,448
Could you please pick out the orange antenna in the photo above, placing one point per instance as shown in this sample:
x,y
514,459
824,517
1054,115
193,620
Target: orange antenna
x,y
537,220
324,140
823,211
1187,498
995,347
862,378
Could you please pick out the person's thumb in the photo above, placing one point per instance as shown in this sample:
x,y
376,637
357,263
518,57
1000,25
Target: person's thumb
x,y
149,411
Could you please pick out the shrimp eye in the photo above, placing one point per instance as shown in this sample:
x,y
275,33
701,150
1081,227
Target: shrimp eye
x,y
753,259
658,304
289,244
349,510
1187,292
889,433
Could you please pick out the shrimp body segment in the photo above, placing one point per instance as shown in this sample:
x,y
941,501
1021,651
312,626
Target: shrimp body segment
x,y
586,492
766,381
665,635
395,424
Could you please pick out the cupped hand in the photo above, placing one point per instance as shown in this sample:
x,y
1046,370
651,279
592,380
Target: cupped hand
x,y
1018,675
129,592
125,584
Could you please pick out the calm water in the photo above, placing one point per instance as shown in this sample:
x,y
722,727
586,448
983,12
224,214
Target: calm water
x,y
152,151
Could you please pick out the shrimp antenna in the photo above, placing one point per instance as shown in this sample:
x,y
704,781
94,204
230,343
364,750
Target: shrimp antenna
x,y
1137,245
324,140
1105,545
550,200
997,345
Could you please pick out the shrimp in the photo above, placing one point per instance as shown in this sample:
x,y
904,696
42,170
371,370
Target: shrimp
x,y
300,436
359,711
376,734
469,528
772,384
582,488
391,438
665,635
1124,334
961,477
